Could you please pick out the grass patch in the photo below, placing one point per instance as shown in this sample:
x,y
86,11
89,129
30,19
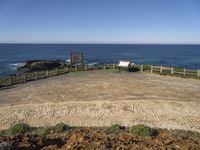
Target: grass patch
x,y
141,130
113,128
20,128
41,131
44,131
61,127
4,132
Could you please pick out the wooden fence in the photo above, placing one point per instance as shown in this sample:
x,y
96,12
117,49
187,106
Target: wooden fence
x,y
26,77
170,71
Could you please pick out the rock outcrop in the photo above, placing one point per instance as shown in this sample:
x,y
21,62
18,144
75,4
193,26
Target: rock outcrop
x,y
40,65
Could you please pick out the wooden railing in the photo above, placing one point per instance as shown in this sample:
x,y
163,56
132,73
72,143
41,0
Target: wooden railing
x,y
26,77
169,71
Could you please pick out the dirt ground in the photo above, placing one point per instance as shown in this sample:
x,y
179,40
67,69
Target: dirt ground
x,y
97,139
102,98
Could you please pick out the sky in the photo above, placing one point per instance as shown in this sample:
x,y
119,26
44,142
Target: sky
x,y
100,21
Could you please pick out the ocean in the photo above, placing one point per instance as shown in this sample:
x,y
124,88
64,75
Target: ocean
x,y
183,56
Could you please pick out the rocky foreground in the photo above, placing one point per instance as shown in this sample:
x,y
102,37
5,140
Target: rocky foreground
x,y
62,137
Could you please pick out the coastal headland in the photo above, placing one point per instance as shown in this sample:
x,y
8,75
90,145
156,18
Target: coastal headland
x,y
102,98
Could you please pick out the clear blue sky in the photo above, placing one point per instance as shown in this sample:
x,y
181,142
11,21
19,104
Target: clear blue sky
x,y
100,21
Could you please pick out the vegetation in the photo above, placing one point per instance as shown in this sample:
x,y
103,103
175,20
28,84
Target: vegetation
x,y
98,138
61,127
41,131
19,129
138,130
58,128
4,133
178,72
141,130
114,128
44,74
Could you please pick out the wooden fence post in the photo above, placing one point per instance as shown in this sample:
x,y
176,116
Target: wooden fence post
x,y
85,67
24,75
10,80
141,68
104,67
56,71
184,71
95,67
114,66
151,69
66,69
198,73
172,70
161,69
76,68
36,75
47,73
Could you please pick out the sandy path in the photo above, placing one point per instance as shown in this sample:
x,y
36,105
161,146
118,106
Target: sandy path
x,y
104,98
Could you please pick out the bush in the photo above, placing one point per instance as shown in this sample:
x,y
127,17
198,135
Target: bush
x,y
61,127
113,128
20,128
4,133
141,130
41,131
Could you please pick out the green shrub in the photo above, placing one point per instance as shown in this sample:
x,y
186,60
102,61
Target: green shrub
x,y
4,133
61,127
20,128
41,131
113,128
141,130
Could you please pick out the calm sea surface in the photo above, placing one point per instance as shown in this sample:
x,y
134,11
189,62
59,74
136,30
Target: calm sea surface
x,y
187,56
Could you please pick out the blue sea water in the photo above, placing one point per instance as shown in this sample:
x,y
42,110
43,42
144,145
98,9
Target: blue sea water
x,y
184,56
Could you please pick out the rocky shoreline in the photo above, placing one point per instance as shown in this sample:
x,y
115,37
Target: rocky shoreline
x,y
40,65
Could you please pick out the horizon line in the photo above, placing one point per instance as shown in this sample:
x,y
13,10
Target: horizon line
x,y
100,43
